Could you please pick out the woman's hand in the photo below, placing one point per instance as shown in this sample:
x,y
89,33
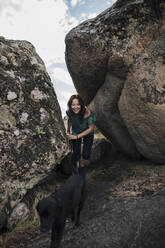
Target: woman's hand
x,y
71,136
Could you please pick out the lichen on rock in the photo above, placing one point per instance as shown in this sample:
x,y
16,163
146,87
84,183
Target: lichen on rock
x,y
30,118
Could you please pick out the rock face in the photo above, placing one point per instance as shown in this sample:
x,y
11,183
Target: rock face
x,y
32,135
99,149
117,62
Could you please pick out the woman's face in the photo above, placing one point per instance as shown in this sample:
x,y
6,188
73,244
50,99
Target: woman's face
x,y
76,107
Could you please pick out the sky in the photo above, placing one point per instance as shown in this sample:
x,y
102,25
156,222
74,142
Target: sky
x,y
45,24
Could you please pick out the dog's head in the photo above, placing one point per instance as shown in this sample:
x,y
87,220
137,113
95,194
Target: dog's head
x,y
47,210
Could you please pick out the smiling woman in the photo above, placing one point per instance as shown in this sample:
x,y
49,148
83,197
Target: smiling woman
x,y
80,128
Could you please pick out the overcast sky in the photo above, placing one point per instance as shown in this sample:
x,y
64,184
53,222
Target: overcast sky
x,y
45,24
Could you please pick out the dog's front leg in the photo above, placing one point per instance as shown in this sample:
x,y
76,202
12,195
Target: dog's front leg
x,y
57,232
4,240
80,207
75,217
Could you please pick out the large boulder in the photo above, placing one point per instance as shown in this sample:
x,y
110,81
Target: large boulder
x,y
32,134
117,63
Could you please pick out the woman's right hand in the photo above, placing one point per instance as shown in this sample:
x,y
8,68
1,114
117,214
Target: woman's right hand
x,y
71,136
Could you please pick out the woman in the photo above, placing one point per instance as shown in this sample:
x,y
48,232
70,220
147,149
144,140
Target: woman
x,y
80,127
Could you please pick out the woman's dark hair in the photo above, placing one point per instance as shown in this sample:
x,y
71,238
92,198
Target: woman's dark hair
x,y
69,111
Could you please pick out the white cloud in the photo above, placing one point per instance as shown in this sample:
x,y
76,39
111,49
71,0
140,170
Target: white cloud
x,y
14,4
75,2
83,15
43,23
63,105
110,2
66,94
63,75
73,21
92,15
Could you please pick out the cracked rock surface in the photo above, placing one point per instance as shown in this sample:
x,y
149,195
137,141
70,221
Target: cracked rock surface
x,y
117,64
32,134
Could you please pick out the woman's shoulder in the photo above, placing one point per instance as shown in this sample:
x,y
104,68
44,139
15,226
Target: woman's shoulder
x,y
87,113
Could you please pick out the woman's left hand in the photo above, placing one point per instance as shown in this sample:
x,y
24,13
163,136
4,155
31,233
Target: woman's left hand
x,y
71,136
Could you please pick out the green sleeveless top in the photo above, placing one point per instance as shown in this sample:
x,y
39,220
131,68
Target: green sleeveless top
x,y
79,127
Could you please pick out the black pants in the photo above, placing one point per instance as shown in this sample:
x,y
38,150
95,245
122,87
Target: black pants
x,y
76,149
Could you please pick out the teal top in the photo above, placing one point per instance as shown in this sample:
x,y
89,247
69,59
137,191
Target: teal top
x,y
79,127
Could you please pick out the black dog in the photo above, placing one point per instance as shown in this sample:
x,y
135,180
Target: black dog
x,y
66,202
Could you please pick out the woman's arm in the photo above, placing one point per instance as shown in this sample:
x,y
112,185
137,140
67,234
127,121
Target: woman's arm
x,y
80,135
89,130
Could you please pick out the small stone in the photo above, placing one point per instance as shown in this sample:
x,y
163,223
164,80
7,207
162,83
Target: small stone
x,y
16,132
4,60
24,117
11,95
37,95
92,31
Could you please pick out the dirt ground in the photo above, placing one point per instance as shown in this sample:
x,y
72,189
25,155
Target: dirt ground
x,y
108,184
